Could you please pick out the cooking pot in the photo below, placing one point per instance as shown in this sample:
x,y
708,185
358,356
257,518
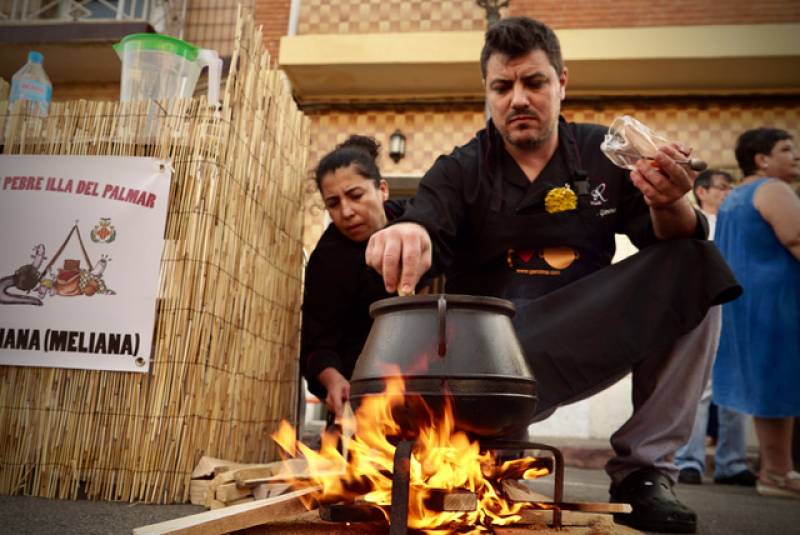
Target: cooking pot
x,y
449,346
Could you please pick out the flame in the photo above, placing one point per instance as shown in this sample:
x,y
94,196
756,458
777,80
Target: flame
x,y
442,459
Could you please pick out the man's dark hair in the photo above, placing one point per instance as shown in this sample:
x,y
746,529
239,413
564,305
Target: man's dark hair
x,y
360,151
757,141
705,180
517,36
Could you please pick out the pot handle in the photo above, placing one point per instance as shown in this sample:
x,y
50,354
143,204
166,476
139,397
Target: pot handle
x,y
442,305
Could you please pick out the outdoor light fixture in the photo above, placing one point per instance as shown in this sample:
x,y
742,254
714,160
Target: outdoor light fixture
x,y
492,8
397,146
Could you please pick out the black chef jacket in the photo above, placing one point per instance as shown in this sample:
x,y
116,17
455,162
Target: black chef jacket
x,y
490,226
339,287
581,321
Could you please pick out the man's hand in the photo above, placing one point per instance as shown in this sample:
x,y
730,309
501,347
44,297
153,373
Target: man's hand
x,y
664,187
402,254
338,389
665,182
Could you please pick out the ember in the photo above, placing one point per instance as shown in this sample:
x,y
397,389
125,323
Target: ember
x,y
452,483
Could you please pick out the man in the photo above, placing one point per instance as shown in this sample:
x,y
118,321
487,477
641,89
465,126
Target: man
x,y
730,460
528,211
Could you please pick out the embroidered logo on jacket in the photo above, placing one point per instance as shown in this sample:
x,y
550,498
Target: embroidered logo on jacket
x,y
597,192
560,200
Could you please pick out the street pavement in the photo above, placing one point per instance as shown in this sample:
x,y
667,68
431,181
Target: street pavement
x,y
722,510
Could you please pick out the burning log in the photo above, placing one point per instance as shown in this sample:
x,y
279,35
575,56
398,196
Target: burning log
x,y
440,500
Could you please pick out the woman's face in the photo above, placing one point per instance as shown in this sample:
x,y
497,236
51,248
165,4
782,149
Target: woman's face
x,y
783,161
354,203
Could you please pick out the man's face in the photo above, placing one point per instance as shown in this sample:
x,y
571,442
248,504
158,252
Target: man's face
x,y
711,198
524,96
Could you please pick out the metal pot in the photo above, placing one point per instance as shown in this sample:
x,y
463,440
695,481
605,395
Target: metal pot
x,y
457,346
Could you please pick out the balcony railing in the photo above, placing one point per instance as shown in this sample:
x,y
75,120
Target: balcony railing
x,y
165,16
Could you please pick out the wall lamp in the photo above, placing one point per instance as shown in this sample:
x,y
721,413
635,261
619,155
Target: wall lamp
x,y
397,146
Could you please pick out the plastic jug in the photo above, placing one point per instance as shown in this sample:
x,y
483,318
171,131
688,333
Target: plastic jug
x,y
156,66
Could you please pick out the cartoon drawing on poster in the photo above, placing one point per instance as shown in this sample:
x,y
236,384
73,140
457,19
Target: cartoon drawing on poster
x,y
69,280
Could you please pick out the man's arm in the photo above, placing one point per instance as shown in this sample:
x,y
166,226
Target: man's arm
x,y
403,251
664,188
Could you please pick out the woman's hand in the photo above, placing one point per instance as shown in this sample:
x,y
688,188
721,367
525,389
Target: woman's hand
x,y
338,390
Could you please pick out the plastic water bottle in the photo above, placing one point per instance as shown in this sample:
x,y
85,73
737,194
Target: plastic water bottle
x,y
31,84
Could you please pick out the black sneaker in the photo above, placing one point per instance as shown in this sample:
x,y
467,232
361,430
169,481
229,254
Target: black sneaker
x,y
745,478
690,476
655,506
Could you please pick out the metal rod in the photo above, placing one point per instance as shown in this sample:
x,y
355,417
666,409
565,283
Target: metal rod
x,y
558,458
401,479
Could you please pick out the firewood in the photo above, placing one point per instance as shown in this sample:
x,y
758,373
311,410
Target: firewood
x,y
520,492
206,466
251,476
543,517
451,500
229,492
245,499
198,491
233,518
267,491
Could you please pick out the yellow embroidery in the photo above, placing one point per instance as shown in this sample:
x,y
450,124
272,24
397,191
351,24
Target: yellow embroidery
x,y
560,200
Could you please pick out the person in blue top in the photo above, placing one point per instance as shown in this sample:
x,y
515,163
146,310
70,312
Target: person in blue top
x,y
758,362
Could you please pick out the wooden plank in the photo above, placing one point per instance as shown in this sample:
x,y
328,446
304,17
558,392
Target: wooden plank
x,y
451,500
245,476
519,492
267,491
284,478
206,465
542,517
198,491
230,492
235,517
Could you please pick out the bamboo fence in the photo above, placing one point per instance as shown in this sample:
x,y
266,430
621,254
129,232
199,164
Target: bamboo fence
x,y
224,371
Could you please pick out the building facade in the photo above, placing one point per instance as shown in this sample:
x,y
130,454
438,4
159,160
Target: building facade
x,y
699,72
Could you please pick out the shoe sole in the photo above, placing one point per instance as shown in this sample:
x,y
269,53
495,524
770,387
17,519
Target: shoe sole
x,y
766,490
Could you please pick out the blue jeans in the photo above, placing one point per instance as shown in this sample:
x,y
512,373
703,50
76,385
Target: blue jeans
x,y
731,454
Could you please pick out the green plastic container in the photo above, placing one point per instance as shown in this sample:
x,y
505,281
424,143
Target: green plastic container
x,y
156,66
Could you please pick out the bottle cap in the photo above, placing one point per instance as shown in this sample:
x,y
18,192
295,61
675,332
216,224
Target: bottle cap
x,y
35,57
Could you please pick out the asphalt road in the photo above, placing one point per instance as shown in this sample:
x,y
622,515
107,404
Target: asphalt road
x,y
722,510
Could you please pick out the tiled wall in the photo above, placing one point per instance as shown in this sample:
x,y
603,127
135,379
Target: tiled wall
x,y
709,126
629,13
378,16
371,16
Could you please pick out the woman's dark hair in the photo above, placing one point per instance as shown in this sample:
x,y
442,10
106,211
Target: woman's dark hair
x,y
757,141
517,36
359,151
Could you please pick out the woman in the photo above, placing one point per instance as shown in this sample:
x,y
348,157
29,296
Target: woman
x,y
758,362
338,285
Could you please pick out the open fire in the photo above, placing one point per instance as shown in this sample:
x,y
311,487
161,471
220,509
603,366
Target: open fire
x,y
443,462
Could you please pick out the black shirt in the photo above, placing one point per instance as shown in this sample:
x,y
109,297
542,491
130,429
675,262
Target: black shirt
x,y
494,232
339,287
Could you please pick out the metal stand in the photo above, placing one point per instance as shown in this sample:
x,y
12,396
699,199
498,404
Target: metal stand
x,y
401,479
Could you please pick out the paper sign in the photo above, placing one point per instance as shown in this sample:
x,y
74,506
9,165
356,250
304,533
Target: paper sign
x,y
80,252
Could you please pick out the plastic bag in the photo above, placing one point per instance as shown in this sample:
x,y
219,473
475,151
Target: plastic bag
x,y
628,140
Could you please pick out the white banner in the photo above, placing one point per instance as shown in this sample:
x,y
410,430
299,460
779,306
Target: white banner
x,y
80,250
